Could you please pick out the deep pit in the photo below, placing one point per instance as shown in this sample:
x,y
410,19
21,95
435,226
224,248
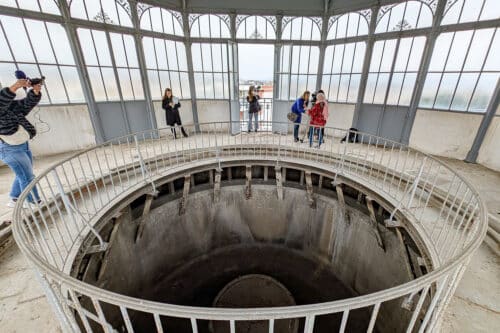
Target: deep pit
x,y
316,253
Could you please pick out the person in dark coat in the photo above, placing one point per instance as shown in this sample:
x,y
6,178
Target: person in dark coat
x,y
171,106
13,119
253,108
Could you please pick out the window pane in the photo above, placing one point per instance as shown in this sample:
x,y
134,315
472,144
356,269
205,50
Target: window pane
x,y
491,10
96,82
54,84
149,52
464,91
395,89
478,49
353,88
344,85
185,85
284,86
359,57
458,50
440,53
118,50
40,41
181,56
492,62
370,88
199,85
484,90
137,83
61,45
446,89
161,53
125,84
87,47
171,55
209,85
430,89
73,84
110,82
408,86
334,88
5,55
131,52
154,84
102,48
16,35
390,48
380,90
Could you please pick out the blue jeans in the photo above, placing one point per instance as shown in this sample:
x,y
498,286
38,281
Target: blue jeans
x,y
296,127
250,116
315,131
20,160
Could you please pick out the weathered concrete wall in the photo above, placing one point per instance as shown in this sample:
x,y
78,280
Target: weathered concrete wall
x,y
213,111
340,115
67,128
185,111
489,154
448,134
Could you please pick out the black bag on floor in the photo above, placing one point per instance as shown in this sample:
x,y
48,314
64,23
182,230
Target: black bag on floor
x,y
352,136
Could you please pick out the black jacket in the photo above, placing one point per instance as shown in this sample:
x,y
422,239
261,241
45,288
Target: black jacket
x,y
13,113
171,112
254,105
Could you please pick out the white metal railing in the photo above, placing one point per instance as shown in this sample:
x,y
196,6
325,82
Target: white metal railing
x,y
444,208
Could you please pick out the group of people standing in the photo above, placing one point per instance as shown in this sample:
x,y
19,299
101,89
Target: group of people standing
x,y
317,109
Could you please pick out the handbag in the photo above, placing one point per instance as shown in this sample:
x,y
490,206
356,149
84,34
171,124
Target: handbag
x,y
18,138
292,116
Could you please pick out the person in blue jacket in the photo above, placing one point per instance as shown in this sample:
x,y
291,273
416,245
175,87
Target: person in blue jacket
x,y
299,107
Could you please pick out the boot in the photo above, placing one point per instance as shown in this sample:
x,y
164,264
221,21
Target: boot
x,y
184,132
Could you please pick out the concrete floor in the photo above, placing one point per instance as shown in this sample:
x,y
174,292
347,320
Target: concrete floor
x,y
474,308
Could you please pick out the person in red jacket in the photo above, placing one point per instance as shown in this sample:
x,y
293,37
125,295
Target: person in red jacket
x,y
319,115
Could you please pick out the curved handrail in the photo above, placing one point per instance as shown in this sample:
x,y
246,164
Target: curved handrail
x,y
449,268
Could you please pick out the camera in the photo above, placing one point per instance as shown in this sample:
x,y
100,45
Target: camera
x,y
314,96
20,75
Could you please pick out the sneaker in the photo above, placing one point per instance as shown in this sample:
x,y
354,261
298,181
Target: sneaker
x,y
32,205
12,203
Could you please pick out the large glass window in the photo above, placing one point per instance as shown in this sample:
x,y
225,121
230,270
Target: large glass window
x,y
404,16
99,62
463,71
210,70
105,11
210,26
160,20
393,71
301,28
39,48
167,67
342,71
298,70
255,27
460,11
43,6
348,25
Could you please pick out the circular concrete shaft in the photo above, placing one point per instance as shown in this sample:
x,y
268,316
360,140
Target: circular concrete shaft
x,y
255,291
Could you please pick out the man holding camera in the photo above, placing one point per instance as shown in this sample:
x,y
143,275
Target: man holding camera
x,y
15,131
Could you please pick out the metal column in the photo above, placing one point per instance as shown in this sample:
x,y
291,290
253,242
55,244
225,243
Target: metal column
x,y
322,47
142,64
422,73
485,124
277,59
189,59
82,72
366,65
